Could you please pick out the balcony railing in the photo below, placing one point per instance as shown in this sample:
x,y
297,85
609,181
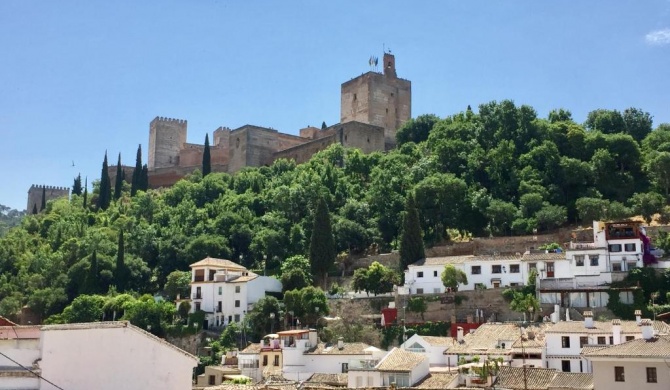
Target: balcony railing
x,y
196,296
582,245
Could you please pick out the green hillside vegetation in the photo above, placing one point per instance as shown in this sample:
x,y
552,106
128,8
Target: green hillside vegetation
x,y
501,171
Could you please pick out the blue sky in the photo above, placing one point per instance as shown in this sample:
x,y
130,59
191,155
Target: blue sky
x,y
81,77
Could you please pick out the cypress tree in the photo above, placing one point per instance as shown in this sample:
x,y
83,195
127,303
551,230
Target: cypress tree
x,y
121,271
91,285
411,243
323,125
144,178
44,199
34,208
76,186
137,173
322,246
118,183
85,192
206,158
105,196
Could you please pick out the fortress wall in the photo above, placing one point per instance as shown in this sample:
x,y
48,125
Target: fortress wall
x,y
127,171
304,152
251,146
359,135
191,155
285,141
354,99
167,137
218,155
50,193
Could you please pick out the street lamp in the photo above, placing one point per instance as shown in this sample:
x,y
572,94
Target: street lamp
x,y
272,322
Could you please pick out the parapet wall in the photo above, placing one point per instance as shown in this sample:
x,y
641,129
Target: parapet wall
x,y
50,193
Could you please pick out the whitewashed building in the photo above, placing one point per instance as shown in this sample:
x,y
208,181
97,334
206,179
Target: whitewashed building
x,y
21,344
398,367
432,347
226,291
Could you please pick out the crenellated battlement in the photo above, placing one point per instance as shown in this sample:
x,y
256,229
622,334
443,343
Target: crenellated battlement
x,y
50,188
169,120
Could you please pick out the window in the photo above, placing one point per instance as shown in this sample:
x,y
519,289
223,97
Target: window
x,y
611,340
532,266
276,362
435,273
400,379
594,260
345,368
631,265
496,269
630,338
419,274
615,247
565,341
616,267
476,269
237,289
602,340
220,290
583,340
419,291
651,375
630,247
237,303
265,360
212,380
579,260
565,365
197,306
237,318
513,284
619,374
514,268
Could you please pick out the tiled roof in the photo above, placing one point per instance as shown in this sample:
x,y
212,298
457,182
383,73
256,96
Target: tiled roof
x,y
531,378
329,379
252,348
399,360
481,258
486,339
437,341
630,327
221,263
572,380
658,346
348,349
244,278
528,346
436,381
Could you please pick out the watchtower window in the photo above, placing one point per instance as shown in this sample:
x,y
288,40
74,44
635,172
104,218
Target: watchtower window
x,y
355,97
389,65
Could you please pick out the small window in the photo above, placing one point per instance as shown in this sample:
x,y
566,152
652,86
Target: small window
x,y
630,338
237,318
237,303
237,289
565,365
276,361
514,268
630,247
651,375
434,273
619,374
583,340
345,368
602,340
579,260
496,269
212,380
220,290
265,360
616,267
355,97
631,265
476,269
565,341
615,247
197,306
419,274
532,266
611,340
593,259
419,291
513,284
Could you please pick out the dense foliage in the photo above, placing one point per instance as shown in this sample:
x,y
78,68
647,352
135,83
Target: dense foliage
x,y
501,170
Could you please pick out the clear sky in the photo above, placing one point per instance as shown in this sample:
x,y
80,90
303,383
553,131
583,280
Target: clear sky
x,y
81,77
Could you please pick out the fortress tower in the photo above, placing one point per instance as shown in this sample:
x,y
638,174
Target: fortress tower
x,y
167,137
50,193
380,99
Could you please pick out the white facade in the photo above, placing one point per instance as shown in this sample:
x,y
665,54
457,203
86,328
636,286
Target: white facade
x,y
112,356
430,346
226,291
398,367
21,344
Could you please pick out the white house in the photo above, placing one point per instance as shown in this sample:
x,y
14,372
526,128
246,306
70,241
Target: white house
x,y
432,347
399,367
20,346
567,340
111,356
639,364
226,291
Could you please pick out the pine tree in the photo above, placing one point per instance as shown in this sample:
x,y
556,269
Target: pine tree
x,y
144,178
323,125
121,271
105,196
206,158
322,246
411,243
137,173
76,186
85,192
34,208
118,183
44,199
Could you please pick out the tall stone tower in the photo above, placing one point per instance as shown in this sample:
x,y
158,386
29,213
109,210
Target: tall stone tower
x,y
380,99
167,137
35,193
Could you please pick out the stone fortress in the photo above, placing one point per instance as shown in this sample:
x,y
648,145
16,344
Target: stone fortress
x,y
50,193
373,107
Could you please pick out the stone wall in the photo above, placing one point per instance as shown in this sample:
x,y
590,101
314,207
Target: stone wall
x,y
167,137
50,193
127,172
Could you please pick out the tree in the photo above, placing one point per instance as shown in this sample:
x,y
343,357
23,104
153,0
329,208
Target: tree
x,y
206,158
525,303
323,125
121,270
44,199
34,210
322,245
85,193
452,277
295,278
105,195
178,284
144,178
638,123
376,279
264,317
84,308
308,304
92,277
605,121
647,204
136,182
591,209
501,214
118,182
411,243
76,186
416,130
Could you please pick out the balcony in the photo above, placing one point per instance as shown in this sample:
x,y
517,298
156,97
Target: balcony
x,y
196,296
582,245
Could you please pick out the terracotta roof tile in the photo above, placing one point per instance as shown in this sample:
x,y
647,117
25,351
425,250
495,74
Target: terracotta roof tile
x,y
329,379
629,327
572,380
658,346
444,260
252,348
436,381
437,341
488,338
348,349
399,360
221,263
530,378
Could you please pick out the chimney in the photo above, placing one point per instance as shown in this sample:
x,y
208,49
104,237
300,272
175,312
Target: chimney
x,y
340,343
616,331
588,319
556,315
313,338
459,334
647,329
638,317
